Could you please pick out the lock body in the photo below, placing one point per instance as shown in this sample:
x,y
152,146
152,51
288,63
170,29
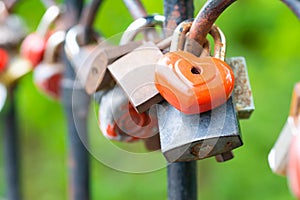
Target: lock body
x,y
120,121
194,137
243,96
135,74
193,85
187,137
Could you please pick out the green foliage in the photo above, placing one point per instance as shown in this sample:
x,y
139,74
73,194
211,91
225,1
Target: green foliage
x,y
265,32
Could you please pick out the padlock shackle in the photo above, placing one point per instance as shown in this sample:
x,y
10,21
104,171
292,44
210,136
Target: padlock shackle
x,y
48,19
180,40
140,25
135,8
219,41
53,44
206,18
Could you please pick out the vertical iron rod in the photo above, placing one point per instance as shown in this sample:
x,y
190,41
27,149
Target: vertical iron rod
x,y
77,120
182,176
11,149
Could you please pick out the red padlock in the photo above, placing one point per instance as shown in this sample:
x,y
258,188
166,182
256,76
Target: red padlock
x,y
34,44
4,58
120,121
195,84
48,74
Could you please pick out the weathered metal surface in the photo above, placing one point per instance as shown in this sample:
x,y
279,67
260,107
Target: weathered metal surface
x,y
194,137
243,98
182,182
206,18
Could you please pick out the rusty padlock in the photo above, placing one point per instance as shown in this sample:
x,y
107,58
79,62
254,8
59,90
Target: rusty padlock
x,y
278,156
243,96
48,74
119,120
134,72
198,136
33,46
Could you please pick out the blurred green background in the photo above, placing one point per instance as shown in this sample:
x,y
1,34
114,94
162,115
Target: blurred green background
x,y
265,32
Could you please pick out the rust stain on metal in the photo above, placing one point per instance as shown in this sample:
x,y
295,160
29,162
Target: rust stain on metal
x,y
206,18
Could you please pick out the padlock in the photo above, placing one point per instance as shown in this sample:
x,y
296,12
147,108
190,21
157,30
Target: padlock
x,y
192,84
278,156
48,74
12,29
134,72
80,55
193,137
119,121
33,46
142,24
17,68
243,97
98,77
4,58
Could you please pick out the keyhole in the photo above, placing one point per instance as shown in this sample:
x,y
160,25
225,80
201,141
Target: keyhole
x,y
196,70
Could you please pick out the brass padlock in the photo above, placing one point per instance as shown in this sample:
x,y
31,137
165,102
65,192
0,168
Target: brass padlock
x,y
134,72
198,136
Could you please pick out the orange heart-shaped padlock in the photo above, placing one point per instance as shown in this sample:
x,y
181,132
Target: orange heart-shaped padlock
x,y
192,84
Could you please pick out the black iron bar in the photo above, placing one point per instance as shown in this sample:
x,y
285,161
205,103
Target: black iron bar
x,y
182,176
79,173
11,148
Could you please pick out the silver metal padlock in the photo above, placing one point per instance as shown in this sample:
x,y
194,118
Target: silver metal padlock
x,y
134,72
197,136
